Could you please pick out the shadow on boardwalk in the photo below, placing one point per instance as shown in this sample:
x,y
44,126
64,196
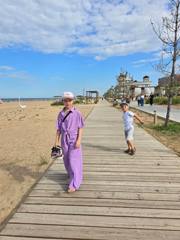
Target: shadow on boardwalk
x,y
95,147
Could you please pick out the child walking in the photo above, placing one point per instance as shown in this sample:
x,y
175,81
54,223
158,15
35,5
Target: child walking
x,y
128,118
69,135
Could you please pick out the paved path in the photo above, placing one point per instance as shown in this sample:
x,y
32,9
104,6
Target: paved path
x,y
122,197
161,110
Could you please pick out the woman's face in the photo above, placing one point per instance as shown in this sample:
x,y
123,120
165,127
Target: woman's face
x,y
68,103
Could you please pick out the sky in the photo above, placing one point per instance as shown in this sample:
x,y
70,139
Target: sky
x,y
51,46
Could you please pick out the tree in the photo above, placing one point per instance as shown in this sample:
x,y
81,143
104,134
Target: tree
x,y
110,93
169,35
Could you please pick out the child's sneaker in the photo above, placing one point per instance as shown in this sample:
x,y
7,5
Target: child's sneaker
x,y
132,152
127,151
56,152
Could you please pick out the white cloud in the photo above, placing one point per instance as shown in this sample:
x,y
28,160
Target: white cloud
x,y
152,59
9,72
6,68
98,28
19,75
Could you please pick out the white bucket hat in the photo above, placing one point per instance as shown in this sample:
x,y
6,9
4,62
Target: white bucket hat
x,y
68,95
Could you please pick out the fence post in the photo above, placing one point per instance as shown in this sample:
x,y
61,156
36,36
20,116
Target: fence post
x,y
155,117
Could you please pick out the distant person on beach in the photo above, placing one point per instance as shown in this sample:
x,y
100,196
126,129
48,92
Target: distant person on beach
x,y
151,99
128,118
69,134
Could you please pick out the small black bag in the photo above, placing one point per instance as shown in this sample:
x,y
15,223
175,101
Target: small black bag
x,y
56,152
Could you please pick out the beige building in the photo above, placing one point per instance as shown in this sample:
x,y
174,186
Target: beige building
x,y
130,88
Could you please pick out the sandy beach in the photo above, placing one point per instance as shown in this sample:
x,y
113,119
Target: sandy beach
x,y
26,137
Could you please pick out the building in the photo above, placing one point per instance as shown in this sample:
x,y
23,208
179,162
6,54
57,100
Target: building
x,y
127,87
92,96
163,84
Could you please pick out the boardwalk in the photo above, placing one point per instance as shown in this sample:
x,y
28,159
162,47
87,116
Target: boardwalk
x,y
122,197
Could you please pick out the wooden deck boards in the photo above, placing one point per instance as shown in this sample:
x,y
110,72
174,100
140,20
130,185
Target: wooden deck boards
x,y
122,197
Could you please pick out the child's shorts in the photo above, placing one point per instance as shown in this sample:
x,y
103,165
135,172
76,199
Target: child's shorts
x,y
129,134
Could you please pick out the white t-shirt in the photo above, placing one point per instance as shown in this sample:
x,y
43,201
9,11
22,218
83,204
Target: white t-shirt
x,y
128,118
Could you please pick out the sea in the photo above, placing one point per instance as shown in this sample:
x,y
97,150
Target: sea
x,y
25,99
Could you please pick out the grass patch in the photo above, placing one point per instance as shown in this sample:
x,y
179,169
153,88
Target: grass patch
x,y
171,129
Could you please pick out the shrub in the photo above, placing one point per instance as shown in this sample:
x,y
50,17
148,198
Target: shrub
x,y
60,103
176,100
160,100
57,103
147,101
164,100
79,101
115,103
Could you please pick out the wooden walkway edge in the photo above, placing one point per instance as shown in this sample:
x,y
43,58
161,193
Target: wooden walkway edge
x,y
122,197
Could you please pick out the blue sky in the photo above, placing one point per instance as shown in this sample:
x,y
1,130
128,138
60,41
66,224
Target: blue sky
x,y
51,46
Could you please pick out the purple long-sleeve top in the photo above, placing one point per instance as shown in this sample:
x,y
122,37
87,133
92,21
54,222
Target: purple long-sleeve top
x,y
72,123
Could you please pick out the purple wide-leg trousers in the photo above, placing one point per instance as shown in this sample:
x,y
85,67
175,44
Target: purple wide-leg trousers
x,y
72,161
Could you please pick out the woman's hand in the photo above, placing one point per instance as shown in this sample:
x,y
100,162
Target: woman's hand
x,y
78,144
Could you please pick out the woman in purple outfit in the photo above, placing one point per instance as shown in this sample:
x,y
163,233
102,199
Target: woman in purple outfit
x,y
69,134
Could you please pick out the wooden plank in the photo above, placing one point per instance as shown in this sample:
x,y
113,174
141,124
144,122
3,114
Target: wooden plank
x,y
127,203
114,169
143,178
111,188
113,183
97,221
107,195
125,165
27,238
117,175
114,152
87,233
121,154
100,211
